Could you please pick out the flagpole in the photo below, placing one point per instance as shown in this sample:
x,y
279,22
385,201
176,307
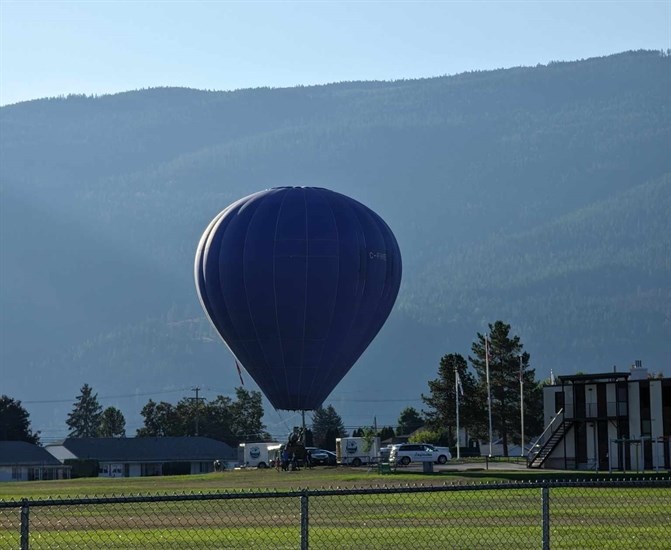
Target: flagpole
x,y
522,404
489,393
456,394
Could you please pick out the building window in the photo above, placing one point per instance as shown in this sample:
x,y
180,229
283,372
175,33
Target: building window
x,y
559,401
644,396
622,395
646,428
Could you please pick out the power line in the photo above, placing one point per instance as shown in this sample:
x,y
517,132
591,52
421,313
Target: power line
x,y
367,400
125,396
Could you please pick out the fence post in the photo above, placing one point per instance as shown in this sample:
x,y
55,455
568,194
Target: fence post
x,y
25,524
545,503
304,520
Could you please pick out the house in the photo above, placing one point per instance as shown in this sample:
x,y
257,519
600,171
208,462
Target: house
x,y
142,456
21,461
608,421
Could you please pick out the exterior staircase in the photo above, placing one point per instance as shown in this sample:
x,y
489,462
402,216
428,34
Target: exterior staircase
x,y
556,430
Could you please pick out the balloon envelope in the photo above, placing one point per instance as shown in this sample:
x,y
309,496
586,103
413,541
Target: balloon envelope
x,y
297,281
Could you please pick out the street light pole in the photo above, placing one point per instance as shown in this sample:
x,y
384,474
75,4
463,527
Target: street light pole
x,y
489,393
522,405
456,394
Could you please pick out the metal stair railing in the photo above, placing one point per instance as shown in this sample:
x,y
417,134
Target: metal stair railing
x,y
554,432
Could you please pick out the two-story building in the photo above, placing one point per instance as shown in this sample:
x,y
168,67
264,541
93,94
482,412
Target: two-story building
x,y
607,421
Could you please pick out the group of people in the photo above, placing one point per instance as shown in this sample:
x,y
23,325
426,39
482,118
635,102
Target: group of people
x,y
292,458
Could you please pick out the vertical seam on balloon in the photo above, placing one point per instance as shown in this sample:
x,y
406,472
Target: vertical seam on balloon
x,y
199,271
216,228
244,281
279,333
353,212
381,298
305,295
337,281
200,274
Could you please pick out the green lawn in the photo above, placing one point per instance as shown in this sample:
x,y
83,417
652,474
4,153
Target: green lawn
x,y
316,478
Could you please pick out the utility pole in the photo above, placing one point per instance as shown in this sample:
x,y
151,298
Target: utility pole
x,y
197,400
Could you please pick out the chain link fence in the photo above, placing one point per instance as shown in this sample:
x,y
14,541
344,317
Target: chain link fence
x,y
551,514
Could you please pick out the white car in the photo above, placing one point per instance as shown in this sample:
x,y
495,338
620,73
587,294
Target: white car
x,y
406,453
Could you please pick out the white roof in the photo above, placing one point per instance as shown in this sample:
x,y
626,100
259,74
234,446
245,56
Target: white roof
x,y
60,452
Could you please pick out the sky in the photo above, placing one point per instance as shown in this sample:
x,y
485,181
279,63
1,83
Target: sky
x,y
52,48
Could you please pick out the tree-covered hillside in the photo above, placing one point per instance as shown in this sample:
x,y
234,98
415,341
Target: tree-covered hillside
x,y
539,196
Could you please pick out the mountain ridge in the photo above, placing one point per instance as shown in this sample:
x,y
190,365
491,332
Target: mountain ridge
x,y
533,195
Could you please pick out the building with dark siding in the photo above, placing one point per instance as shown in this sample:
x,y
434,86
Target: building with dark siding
x,y
608,421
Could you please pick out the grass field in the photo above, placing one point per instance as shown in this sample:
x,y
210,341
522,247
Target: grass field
x,y
316,478
585,517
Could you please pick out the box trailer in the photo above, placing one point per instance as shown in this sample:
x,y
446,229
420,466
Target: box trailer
x,y
356,451
257,455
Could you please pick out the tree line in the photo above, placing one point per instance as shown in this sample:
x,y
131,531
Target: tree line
x,y
497,356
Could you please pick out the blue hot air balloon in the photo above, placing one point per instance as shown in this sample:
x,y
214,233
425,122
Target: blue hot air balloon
x,y
297,281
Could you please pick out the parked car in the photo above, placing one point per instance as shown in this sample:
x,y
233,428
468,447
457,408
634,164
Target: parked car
x,y
322,457
405,453
443,454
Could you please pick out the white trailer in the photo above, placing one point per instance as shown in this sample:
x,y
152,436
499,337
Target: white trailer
x,y
356,451
257,455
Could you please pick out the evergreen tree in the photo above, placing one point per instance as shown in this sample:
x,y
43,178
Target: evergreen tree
x,y
507,364
84,420
387,432
327,425
309,438
441,415
112,423
409,421
15,423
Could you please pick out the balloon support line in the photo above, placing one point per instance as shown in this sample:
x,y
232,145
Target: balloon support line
x,y
283,421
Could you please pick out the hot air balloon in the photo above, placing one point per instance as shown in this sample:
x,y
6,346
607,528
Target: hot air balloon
x,y
297,281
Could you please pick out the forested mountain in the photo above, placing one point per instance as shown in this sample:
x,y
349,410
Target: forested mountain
x,y
539,196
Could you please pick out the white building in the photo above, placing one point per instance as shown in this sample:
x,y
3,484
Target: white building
x,y
140,456
608,421
21,461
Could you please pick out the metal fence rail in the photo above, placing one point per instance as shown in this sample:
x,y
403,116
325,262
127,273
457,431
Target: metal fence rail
x,y
551,514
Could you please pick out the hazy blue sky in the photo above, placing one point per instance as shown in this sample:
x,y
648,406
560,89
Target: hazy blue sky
x,y
55,47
